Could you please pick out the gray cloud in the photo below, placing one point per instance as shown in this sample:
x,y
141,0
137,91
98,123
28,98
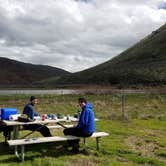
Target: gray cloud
x,y
74,35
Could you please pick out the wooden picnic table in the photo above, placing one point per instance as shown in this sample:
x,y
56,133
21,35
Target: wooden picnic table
x,y
22,142
16,124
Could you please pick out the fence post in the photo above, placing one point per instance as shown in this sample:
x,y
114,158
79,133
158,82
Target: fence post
x,y
123,103
124,115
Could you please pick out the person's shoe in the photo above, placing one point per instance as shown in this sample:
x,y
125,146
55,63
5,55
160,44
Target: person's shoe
x,y
6,139
75,150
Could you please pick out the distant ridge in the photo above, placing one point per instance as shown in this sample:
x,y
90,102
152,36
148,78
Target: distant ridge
x,y
18,74
142,64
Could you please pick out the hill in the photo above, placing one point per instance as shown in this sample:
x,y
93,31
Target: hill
x,y
142,64
18,74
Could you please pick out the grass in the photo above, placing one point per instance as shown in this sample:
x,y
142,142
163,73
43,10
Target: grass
x,y
137,140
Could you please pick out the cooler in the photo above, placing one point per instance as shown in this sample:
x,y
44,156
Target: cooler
x,y
6,112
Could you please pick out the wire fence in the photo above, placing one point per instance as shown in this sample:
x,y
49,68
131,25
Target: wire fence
x,y
113,104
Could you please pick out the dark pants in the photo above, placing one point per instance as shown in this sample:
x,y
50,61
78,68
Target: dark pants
x,y
75,132
6,131
44,130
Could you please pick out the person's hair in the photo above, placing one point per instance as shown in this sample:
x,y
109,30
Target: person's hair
x,y
32,98
82,100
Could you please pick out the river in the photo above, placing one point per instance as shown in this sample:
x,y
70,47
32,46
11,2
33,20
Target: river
x,y
71,91
38,91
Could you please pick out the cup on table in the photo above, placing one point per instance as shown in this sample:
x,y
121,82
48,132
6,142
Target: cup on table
x,y
68,117
43,117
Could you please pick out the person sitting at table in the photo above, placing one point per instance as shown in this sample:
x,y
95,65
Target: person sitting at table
x,y
29,110
85,126
6,131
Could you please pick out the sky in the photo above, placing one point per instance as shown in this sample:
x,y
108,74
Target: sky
x,y
75,34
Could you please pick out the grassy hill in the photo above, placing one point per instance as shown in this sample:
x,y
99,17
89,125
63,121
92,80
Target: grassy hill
x,y
19,74
142,64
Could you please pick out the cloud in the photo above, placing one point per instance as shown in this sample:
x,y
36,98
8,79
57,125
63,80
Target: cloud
x,y
74,35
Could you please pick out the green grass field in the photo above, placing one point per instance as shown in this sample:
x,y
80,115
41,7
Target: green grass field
x,y
138,138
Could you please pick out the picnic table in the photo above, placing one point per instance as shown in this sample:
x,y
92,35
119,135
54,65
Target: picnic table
x,y
22,142
16,124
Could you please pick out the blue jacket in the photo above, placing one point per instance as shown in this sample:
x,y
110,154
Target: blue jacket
x,y
86,121
29,110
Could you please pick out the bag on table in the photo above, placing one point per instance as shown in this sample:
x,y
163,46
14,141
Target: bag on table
x,y
24,118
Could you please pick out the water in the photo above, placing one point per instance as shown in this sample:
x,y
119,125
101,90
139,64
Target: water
x,y
71,91
54,91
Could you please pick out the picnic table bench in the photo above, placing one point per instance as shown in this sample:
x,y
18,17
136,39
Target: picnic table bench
x,y
23,142
17,125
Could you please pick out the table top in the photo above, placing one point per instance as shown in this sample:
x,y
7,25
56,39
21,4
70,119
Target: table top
x,y
16,123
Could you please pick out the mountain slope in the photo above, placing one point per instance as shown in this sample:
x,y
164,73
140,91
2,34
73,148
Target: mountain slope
x,y
14,73
144,63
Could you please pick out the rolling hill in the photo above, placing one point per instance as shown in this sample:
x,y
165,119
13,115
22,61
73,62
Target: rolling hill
x,y
142,64
18,74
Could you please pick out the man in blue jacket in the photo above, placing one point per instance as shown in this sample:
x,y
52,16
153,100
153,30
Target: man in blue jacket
x,y
85,126
29,110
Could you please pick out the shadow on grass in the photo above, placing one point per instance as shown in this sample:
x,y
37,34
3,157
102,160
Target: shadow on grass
x,y
32,152
8,156
42,150
14,159
9,160
59,150
53,152
5,149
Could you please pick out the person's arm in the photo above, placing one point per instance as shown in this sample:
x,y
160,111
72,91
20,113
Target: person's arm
x,y
28,110
35,113
31,114
83,119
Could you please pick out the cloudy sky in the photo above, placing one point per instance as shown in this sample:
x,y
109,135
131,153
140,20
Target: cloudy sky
x,y
75,34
